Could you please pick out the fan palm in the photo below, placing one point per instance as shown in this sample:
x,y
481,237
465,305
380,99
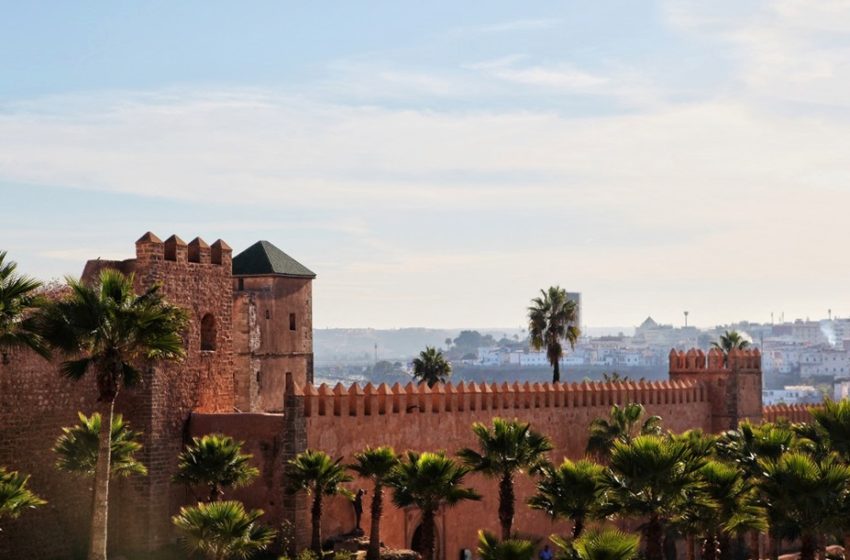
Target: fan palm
x,y
551,319
215,461
19,300
624,424
14,494
222,530
489,548
730,340
834,419
112,332
651,477
78,445
319,475
431,367
508,449
804,496
606,544
375,464
429,481
573,491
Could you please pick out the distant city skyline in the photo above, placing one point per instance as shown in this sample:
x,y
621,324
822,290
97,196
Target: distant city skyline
x,y
437,164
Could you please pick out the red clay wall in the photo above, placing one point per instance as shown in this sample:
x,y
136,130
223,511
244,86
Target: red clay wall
x,y
266,347
343,421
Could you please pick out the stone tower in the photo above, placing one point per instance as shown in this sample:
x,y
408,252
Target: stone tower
x,y
733,383
272,326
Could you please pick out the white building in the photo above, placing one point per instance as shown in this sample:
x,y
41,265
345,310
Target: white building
x,y
792,394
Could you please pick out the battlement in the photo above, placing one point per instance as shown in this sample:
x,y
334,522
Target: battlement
x,y
790,412
150,248
695,360
415,399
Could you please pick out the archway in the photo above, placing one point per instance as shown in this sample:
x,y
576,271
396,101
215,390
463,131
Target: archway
x,y
416,541
208,332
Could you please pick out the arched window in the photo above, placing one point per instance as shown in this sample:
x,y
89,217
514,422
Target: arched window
x,y
208,332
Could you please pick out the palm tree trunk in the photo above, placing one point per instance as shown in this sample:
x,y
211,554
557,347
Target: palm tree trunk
x,y
808,548
654,537
556,372
215,493
428,536
774,544
374,550
506,505
316,515
690,547
578,526
755,553
100,513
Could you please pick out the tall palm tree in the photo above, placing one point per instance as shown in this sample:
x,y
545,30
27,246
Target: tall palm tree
x,y
112,332
624,424
375,464
551,319
834,419
730,340
489,548
805,496
222,530
508,449
215,461
429,481
605,544
431,367
78,445
651,477
573,491
19,300
15,497
319,475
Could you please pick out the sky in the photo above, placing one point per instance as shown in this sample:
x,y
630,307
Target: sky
x,y
437,163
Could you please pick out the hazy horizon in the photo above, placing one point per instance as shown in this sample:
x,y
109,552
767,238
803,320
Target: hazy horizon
x,y
440,163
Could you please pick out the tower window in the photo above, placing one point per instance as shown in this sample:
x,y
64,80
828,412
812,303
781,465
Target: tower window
x,y
268,314
208,332
241,283
292,321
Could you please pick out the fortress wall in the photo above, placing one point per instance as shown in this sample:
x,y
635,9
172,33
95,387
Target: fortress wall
x,y
344,421
792,413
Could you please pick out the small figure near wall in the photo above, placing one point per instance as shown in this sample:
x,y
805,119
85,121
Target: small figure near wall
x,y
357,503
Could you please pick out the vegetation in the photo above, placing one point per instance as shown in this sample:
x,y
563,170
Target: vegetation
x,y
730,340
551,320
19,301
216,462
319,475
573,491
489,548
112,332
429,481
15,497
377,465
78,445
608,544
509,448
624,424
431,367
222,530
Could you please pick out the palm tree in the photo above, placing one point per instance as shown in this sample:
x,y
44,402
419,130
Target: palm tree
x,y
222,530
573,491
77,448
215,461
551,319
319,475
805,496
431,367
112,332
834,419
19,301
375,464
651,477
730,340
429,481
606,544
510,448
624,424
14,494
489,548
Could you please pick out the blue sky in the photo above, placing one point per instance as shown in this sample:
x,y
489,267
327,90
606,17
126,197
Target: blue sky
x,y
437,163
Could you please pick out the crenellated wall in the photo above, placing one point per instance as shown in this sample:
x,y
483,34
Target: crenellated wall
x,y
789,412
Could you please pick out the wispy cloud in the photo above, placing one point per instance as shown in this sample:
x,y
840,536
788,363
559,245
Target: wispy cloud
x,y
528,24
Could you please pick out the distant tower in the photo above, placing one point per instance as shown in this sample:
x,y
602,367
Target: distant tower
x,y
376,352
686,318
829,312
576,297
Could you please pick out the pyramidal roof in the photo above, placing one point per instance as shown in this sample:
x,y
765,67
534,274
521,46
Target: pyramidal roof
x,y
264,258
649,323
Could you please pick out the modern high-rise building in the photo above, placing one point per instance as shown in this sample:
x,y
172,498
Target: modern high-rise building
x,y
576,297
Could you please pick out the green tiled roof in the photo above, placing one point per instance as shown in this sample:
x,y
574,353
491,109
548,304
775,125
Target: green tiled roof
x,y
264,258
